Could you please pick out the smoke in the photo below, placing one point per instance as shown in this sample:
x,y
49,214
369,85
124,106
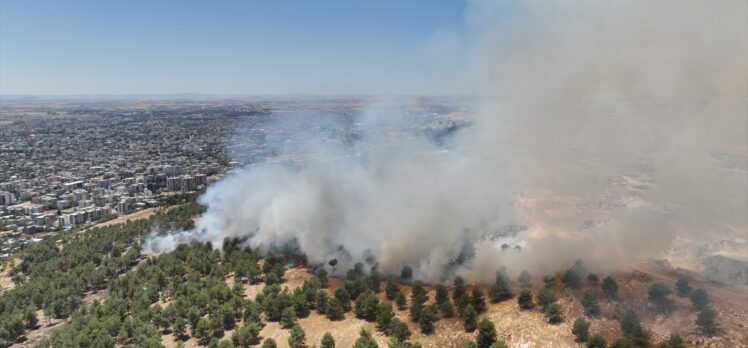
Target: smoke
x,y
605,131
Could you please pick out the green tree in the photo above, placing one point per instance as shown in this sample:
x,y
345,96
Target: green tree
x,y
486,333
470,319
632,329
399,330
321,301
30,318
545,297
589,302
297,337
593,279
707,322
427,319
442,294
365,340
553,313
366,306
459,294
391,288
247,335
344,298
324,282
447,310
597,341
327,341
479,303
674,341
384,316
658,294
610,288
525,299
334,310
269,343
682,287
571,279
624,342
699,298
252,312
400,300
418,298
501,290
180,328
580,330
203,331
288,317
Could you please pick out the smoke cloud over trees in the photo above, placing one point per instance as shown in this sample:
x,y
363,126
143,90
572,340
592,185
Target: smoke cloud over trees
x,y
604,131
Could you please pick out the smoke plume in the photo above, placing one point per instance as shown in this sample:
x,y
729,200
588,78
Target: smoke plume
x,y
605,131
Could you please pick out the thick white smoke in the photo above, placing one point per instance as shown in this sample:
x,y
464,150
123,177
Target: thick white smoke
x,y
606,131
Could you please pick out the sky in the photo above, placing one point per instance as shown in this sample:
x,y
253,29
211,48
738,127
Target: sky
x,y
50,47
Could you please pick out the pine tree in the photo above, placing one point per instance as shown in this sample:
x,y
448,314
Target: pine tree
x,y
269,343
682,287
288,317
699,298
417,300
321,301
384,316
392,288
610,288
447,310
658,294
525,299
597,341
324,282
632,329
459,294
545,297
674,341
486,333
589,302
334,310
366,306
399,330
203,332
501,290
344,298
470,318
580,329
553,313
400,300
707,322
365,340
180,328
427,319
297,337
246,336
442,294
479,303
327,341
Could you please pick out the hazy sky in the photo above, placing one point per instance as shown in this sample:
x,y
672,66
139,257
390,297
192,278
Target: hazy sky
x,y
228,47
